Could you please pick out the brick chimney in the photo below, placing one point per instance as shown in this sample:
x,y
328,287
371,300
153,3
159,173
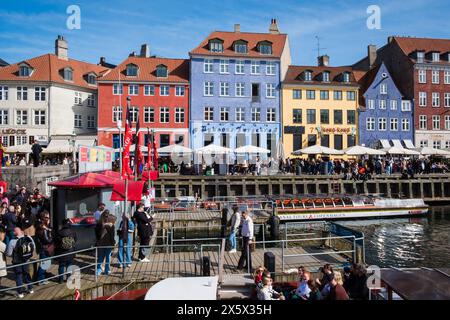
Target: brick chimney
x,y
237,28
372,54
61,48
274,27
132,54
145,51
323,61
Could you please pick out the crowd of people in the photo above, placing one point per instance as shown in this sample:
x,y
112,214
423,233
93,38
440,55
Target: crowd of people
x,y
21,160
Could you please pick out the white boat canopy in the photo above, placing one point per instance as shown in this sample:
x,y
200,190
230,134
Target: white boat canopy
x,y
360,151
429,151
174,148
213,149
401,151
317,149
188,288
251,149
58,146
23,148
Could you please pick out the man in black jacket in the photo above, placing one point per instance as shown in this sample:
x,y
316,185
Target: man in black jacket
x,y
65,241
36,150
145,230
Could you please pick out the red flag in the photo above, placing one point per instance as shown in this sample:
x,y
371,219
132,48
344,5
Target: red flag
x,y
127,141
149,148
138,152
155,154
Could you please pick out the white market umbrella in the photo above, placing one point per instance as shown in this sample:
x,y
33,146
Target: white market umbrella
x,y
317,149
251,149
401,151
362,151
174,148
23,148
212,148
429,151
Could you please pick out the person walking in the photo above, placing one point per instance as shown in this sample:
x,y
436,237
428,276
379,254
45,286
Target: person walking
x,y
145,231
245,261
99,211
65,240
44,237
104,232
36,153
10,222
21,249
125,233
235,223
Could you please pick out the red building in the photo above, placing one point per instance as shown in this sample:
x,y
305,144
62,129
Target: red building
x,y
159,92
421,69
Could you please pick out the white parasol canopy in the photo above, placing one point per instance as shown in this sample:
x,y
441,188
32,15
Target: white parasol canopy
x,y
58,146
251,149
317,149
429,151
174,148
360,151
212,148
402,151
23,148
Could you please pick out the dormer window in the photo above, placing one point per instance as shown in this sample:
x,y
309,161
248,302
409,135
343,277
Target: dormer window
x,y
436,57
132,70
420,56
91,78
240,47
161,71
326,76
216,45
68,74
346,77
308,75
265,48
24,71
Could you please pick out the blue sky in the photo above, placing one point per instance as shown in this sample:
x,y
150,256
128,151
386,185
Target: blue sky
x,y
172,28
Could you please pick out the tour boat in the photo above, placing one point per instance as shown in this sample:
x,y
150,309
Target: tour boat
x,y
294,208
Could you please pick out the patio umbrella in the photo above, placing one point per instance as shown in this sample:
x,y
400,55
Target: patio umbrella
x,y
317,149
23,148
429,151
174,148
362,151
251,149
212,148
401,151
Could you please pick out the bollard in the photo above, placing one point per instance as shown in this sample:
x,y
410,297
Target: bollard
x,y
269,263
206,267
274,223
223,227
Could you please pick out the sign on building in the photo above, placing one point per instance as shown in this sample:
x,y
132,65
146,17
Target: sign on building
x,y
91,159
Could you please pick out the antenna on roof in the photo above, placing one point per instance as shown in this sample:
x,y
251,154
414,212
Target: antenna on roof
x,y
318,46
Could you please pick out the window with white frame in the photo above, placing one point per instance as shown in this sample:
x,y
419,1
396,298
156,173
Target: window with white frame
x,y
370,104
271,117
179,115
117,113
256,114
436,57
21,117
422,99
383,88
310,94
4,115
423,122
132,70
164,115
216,46
21,140
394,124
447,99
39,117
240,114
91,100
78,121
22,93
224,66
208,88
68,74
270,90
420,56
133,89
423,143
326,76
149,90
255,67
393,104
296,94
239,67
240,89
435,77
209,113
406,105
265,48
405,124
224,89
271,68
447,76
78,99
337,95
447,122
134,114
382,104
240,47
437,144
382,124
162,71
5,141
117,89
436,122
370,124
422,76
435,99
351,95
3,93
224,114
149,114
24,71
346,77
39,94
179,91
92,79
308,75
208,66
164,90
91,122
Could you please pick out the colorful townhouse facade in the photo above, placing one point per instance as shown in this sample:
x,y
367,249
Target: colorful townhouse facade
x,y
422,67
235,88
319,106
49,98
384,113
159,91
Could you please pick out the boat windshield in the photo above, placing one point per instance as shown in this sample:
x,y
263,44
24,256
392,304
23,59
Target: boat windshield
x,y
347,201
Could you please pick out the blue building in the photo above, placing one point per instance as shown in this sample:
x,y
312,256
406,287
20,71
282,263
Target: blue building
x,y
384,114
235,88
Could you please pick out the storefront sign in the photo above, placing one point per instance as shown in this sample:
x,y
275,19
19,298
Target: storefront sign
x,y
332,130
294,130
94,159
14,131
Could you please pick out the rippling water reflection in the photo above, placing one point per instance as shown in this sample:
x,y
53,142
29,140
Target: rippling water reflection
x,y
423,242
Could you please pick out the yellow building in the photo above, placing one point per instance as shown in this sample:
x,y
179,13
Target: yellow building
x,y
319,106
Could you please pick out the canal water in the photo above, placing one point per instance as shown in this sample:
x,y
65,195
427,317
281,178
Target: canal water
x,y
418,242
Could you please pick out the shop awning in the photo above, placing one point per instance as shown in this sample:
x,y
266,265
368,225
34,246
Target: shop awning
x,y
58,146
86,180
135,189
24,148
385,144
397,143
409,144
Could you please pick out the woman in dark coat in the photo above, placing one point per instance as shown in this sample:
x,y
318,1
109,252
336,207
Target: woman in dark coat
x,y
145,230
105,234
65,241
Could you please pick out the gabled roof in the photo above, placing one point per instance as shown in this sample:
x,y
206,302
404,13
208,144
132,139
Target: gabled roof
x,y
295,73
410,44
178,70
278,42
46,68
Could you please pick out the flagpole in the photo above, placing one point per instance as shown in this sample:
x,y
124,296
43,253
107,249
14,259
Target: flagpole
x,y
126,209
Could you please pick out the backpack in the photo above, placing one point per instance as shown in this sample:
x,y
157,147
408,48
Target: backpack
x,y
24,249
67,243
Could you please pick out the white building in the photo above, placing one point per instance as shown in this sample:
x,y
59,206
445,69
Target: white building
x,y
50,97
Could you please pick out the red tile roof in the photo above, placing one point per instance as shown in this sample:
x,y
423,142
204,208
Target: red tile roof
x,y
410,44
178,70
294,75
278,42
48,68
